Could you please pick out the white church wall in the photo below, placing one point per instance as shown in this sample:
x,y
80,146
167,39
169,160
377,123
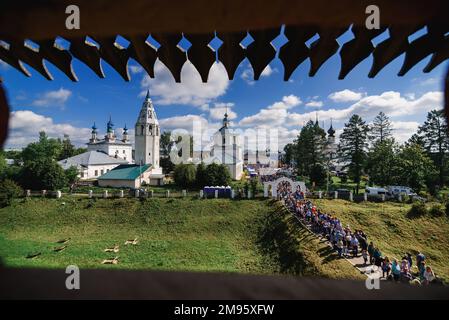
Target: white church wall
x,y
94,171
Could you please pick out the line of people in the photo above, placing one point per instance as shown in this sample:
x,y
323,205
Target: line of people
x,y
347,242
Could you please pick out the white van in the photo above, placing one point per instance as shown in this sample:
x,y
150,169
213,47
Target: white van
x,y
395,191
376,192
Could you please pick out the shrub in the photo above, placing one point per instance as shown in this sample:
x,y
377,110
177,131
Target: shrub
x,y
217,175
418,209
447,209
201,175
318,174
424,194
8,191
437,210
43,174
185,175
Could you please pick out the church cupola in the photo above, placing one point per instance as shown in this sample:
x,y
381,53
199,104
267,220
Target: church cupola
x,y
125,137
110,135
225,120
94,132
331,131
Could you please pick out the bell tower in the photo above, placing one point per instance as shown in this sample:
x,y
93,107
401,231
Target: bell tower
x,y
147,135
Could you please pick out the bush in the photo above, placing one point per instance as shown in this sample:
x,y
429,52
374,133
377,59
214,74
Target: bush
x,y
424,194
418,209
8,191
201,175
43,174
437,210
217,175
185,175
318,175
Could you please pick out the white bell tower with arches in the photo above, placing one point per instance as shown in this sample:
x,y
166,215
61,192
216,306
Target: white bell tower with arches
x,y
147,136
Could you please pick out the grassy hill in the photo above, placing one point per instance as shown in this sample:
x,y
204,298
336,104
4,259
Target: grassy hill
x,y
389,227
248,236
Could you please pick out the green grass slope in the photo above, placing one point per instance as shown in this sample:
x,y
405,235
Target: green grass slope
x,y
249,236
389,227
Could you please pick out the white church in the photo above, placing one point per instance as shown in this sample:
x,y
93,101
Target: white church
x,y
226,149
110,160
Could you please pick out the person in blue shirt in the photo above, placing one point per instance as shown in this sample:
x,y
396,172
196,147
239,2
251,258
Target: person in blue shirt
x,y
395,270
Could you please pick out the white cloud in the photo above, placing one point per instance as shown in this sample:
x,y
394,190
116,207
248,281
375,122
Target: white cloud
x,y
25,126
56,98
248,73
135,69
217,112
314,104
272,115
268,71
403,130
186,122
390,102
345,96
191,91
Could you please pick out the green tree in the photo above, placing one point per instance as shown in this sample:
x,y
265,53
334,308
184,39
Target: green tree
x,y
434,133
381,128
45,148
3,166
185,175
218,175
415,139
8,191
71,175
352,147
415,169
201,175
289,154
382,162
309,148
318,174
43,174
67,148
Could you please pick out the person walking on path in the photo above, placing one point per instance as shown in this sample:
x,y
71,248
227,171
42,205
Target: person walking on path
x,y
395,270
371,252
386,267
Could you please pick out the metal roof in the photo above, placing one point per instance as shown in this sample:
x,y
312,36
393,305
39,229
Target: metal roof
x,y
90,158
125,172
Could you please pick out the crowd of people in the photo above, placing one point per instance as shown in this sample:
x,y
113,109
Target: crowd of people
x,y
354,243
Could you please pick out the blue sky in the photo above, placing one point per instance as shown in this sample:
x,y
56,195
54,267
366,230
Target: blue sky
x,y
62,106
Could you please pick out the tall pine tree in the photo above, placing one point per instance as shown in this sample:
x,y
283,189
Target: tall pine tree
x,y
309,148
434,133
381,128
352,147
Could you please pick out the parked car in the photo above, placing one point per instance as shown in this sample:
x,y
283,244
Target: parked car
x,y
395,191
376,192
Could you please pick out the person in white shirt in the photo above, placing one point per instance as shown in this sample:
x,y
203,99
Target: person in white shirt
x,y
429,276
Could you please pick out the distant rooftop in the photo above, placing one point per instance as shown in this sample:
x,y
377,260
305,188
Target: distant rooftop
x,y
125,172
90,158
